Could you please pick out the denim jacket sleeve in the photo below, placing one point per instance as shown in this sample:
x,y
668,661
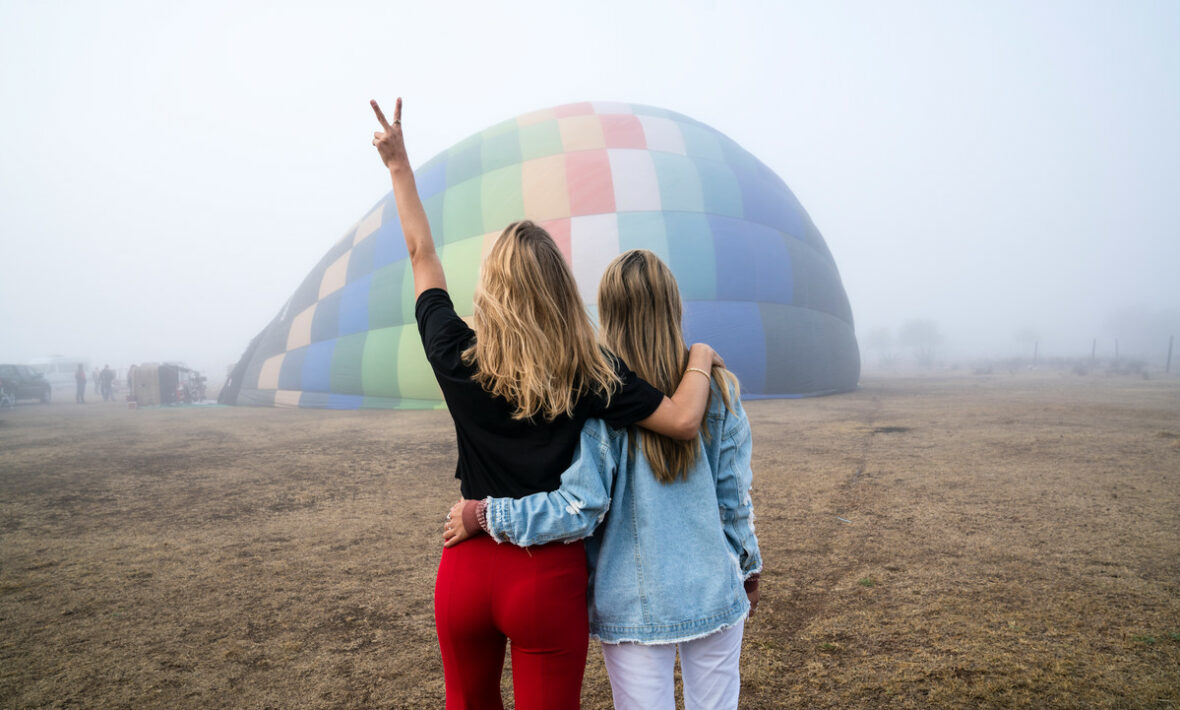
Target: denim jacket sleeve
x,y
574,510
734,481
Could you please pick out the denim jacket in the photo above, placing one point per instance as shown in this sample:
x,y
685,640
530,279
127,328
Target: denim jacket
x,y
668,563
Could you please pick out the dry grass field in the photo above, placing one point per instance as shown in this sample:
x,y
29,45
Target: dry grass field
x,y
949,542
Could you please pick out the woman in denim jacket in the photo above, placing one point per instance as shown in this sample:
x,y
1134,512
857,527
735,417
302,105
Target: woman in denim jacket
x,y
676,563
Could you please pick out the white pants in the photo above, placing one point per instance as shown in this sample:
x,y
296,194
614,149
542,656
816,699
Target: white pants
x,y
641,676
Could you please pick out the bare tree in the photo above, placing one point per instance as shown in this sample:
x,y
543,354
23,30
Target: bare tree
x,y
923,337
880,340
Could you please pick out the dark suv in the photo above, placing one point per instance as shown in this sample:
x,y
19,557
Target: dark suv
x,y
24,383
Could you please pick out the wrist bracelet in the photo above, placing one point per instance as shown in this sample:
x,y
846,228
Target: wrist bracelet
x,y
697,369
481,515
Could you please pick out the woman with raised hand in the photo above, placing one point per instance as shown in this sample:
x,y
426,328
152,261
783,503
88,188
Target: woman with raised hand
x,y
675,565
519,383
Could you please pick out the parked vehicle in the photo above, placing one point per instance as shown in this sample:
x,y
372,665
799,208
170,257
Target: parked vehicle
x,y
23,382
59,371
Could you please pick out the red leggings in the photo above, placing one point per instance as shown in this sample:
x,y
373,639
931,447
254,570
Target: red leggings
x,y
486,592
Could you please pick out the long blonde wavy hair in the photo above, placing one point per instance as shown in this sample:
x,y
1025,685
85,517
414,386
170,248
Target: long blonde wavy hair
x,y
534,343
639,313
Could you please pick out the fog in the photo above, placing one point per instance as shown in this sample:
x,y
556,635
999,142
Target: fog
x,y
1007,172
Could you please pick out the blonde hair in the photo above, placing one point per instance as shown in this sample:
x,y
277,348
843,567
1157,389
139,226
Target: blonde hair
x,y
534,343
639,315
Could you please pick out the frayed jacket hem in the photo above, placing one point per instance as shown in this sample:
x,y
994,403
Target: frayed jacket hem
x,y
645,637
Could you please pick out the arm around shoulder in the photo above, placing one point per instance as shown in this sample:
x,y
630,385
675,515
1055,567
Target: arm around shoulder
x,y
679,416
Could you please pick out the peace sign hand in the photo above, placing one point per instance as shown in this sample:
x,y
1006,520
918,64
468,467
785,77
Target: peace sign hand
x,y
390,144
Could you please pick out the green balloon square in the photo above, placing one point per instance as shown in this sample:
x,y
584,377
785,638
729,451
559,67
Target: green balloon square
x,y
722,193
539,140
690,255
433,206
502,198
462,214
379,362
680,185
347,372
499,151
461,262
700,142
415,377
391,295
644,230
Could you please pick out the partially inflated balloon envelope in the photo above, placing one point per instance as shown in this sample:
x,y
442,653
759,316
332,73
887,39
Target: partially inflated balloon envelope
x,y
757,280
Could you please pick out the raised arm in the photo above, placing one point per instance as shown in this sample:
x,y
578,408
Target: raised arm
x,y
679,416
424,261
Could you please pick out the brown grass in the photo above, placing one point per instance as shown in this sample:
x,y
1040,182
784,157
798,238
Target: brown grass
x,y
1012,542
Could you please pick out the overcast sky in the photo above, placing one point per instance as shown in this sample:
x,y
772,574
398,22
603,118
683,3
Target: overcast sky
x,y
170,172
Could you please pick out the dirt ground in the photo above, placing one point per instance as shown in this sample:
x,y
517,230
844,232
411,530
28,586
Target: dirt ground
x,y
958,542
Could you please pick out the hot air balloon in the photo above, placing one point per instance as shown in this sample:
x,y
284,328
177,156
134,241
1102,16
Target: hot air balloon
x,y
758,282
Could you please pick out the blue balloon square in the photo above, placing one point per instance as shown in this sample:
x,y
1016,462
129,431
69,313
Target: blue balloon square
x,y
389,244
354,306
317,367
343,401
734,330
753,263
762,202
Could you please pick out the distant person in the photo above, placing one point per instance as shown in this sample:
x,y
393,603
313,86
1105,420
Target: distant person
x,y
80,379
97,381
108,379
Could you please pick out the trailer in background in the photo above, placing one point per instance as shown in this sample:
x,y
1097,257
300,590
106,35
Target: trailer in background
x,y
167,383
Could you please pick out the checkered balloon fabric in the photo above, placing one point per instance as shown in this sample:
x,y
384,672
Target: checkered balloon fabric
x,y
757,279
